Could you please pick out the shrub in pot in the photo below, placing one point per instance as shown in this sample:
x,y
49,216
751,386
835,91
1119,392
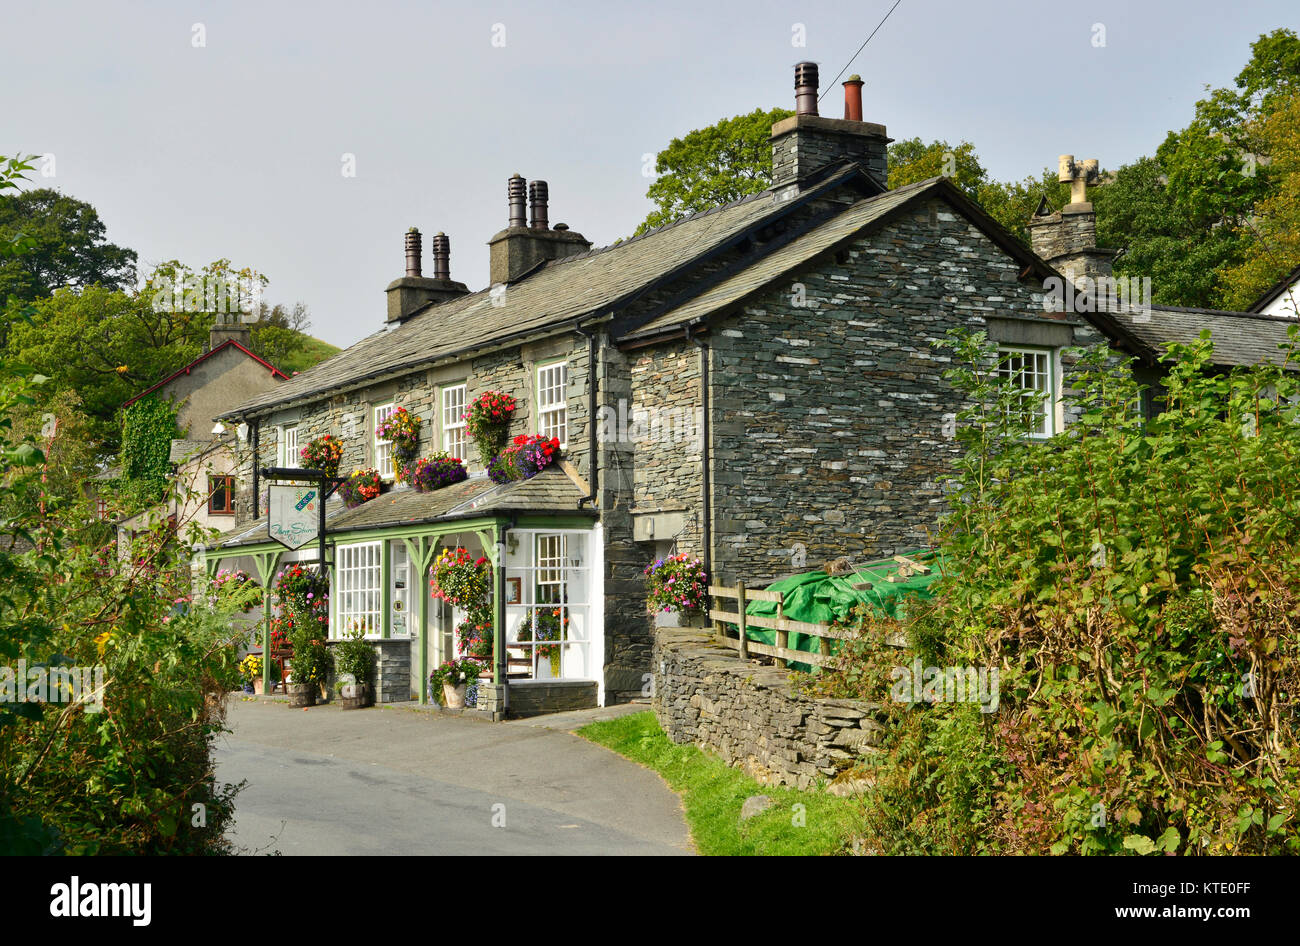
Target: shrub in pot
x,y
449,681
355,658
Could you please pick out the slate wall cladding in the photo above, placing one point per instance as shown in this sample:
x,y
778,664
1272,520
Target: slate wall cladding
x,y
829,417
704,694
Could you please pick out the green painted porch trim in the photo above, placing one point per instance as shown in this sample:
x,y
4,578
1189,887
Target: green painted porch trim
x,y
385,590
420,549
435,529
266,562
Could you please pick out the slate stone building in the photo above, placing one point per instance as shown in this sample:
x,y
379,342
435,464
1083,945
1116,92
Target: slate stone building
x,y
751,380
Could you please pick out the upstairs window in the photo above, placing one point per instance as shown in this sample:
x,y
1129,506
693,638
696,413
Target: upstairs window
x,y
455,441
290,458
552,415
383,451
221,495
1033,371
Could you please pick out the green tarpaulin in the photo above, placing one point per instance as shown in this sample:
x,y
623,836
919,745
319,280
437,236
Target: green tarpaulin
x,y
819,598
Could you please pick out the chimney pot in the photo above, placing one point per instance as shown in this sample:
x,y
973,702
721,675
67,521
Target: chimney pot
x,y
538,197
413,245
441,256
515,195
805,88
853,98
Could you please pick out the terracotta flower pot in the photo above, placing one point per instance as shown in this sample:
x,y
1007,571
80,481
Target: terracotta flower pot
x,y
454,697
262,688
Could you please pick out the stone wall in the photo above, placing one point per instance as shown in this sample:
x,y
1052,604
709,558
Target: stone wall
x,y
748,714
832,421
392,670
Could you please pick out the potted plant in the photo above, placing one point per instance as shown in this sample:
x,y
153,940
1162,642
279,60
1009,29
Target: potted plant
x,y
354,661
451,680
677,586
487,422
435,472
401,428
310,669
250,672
360,487
546,624
324,454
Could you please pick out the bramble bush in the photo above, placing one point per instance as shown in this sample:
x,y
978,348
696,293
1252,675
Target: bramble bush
x,y
1137,582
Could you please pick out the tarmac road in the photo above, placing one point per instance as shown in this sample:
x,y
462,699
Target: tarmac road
x,y
399,781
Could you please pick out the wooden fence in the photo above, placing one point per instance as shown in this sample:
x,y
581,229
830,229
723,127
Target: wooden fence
x,y
783,626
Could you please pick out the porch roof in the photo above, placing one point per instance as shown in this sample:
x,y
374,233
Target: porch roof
x,y
552,491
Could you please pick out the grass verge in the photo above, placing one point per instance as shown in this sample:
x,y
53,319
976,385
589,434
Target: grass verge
x,y
713,792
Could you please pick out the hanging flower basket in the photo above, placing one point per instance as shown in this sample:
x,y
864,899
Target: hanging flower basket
x,y
488,422
234,584
526,456
323,453
677,583
460,579
362,486
401,428
435,472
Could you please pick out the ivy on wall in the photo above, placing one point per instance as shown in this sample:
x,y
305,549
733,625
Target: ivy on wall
x,y
148,428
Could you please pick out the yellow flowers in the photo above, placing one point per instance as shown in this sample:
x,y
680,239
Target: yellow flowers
x,y
103,639
122,369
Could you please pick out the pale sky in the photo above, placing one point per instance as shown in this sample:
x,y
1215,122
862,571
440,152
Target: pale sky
x,y
235,146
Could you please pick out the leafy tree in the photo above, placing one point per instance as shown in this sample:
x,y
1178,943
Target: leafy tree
x,y
65,247
713,166
910,161
148,428
1272,234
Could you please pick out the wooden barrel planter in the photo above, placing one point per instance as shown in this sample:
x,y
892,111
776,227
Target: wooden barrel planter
x,y
303,694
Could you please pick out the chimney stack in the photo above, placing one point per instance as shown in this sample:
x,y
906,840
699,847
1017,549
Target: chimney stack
x,y
537,200
413,292
413,249
520,249
805,88
853,98
805,143
441,257
228,327
1067,239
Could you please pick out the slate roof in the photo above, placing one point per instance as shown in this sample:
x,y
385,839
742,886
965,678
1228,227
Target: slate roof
x,y
1240,338
551,491
793,254
556,295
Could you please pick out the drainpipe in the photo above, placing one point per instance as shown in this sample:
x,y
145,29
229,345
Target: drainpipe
x,y
593,465
707,537
255,431
499,635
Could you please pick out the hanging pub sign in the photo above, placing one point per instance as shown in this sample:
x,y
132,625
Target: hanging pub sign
x,y
295,515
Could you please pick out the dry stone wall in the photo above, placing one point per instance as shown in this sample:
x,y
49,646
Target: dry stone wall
x,y
750,716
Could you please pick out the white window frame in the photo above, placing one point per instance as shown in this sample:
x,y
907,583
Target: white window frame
x,y
566,579
552,411
289,458
358,589
455,434
383,450
1050,407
